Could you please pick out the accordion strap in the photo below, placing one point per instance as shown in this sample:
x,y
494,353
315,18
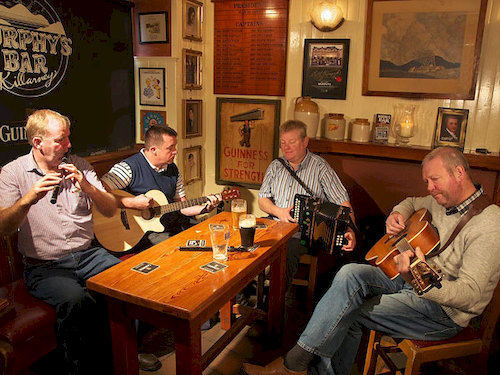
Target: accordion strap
x,y
294,175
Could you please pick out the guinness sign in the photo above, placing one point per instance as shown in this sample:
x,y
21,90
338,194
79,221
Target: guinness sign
x,y
34,48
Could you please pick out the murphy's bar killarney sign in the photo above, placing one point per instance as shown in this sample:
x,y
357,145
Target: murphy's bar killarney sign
x,y
35,49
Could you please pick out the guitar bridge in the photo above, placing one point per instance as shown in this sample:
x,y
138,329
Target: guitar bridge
x,y
124,219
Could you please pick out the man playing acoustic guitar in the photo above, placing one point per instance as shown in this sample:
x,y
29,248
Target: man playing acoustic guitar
x,y
363,296
153,168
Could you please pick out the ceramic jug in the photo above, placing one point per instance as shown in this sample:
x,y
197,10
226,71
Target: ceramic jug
x,y
307,111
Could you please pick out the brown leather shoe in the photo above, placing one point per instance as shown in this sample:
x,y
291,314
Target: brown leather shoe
x,y
276,367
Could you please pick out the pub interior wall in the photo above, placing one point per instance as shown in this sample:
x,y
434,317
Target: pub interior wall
x,y
484,110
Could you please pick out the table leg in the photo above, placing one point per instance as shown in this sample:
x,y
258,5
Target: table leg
x,y
124,340
188,348
277,293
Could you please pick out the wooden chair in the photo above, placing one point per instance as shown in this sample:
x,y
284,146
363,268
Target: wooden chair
x,y
310,282
470,341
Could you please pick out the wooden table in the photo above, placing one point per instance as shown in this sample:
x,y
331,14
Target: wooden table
x,y
181,297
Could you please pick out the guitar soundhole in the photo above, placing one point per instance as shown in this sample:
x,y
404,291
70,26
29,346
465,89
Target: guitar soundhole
x,y
147,214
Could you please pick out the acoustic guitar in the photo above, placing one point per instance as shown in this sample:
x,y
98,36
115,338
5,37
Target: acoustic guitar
x,y
418,232
125,229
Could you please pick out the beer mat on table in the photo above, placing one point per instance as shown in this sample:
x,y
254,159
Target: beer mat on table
x,y
260,226
195,243
145,267
213,267
242,249
216,226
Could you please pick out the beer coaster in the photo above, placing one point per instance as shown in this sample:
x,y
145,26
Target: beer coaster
x,y
195,243
260,226
145,267
213,267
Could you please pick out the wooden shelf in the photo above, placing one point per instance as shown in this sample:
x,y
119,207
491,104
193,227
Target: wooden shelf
x,y
392,152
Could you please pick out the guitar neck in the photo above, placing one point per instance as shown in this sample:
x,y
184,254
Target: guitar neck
x,y
176,206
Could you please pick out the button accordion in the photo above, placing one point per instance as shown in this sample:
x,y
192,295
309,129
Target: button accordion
x,y
322,224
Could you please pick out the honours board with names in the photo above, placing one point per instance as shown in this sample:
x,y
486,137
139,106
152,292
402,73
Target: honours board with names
x,y
250,40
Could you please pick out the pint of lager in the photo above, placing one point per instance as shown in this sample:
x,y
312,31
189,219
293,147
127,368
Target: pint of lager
x,y
238,208
247,230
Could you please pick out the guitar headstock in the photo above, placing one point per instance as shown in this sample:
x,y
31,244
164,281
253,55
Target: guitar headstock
x,y
424,277
230,193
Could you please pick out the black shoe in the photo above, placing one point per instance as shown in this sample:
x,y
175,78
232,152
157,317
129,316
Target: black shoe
x,y
149,362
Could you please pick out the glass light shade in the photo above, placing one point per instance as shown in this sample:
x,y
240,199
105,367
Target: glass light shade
x,y
404,125
326,15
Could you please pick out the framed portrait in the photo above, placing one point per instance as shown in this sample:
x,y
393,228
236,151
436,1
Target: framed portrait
x,y
191,69
153,27
151,118
152,86
247,140
451,125
192,15
423,48
191,118
192,164
324,74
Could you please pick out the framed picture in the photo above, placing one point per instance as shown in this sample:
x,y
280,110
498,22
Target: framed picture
x,y
191,118
151,118
191,69
451,125
192,14
423,48
152,86
153,27
247,139
325,68
192,164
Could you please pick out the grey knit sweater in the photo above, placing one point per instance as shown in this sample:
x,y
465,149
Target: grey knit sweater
x,y
470,265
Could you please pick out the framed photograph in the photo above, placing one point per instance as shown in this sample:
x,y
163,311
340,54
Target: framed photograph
x,y
451,125
192,15
153,27
247,140
151,118
191,69
191,118
192,164
325,68
152,86
423,48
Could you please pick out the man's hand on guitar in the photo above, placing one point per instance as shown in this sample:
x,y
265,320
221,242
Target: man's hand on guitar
x,y
395,223
403,261
139,202
351,240
213,201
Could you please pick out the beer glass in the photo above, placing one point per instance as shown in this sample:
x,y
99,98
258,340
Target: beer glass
x,y
247,230
238,208
219,236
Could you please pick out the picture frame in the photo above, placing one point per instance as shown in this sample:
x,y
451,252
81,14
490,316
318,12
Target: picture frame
x,y
325,66
191,161
191,69
153,27
192,118
192,16
150,118
400,59
152,86
451,126
247,139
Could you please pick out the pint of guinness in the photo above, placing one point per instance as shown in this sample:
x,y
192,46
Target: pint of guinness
x,y
247,230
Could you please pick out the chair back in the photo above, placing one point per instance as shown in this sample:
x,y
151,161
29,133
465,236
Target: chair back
x,y
489,319
11,263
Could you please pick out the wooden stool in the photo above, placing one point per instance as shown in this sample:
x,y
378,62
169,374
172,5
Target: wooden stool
x,y
310,282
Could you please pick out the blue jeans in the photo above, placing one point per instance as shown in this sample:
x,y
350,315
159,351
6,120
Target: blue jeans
x,y
362,296
81,327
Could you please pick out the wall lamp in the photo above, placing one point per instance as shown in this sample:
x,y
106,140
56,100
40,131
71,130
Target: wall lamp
x,y
327,15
